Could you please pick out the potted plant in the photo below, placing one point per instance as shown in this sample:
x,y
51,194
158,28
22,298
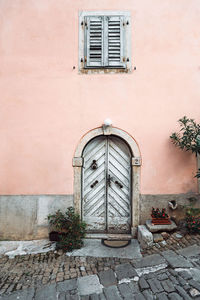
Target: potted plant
x,y
160,216
69,230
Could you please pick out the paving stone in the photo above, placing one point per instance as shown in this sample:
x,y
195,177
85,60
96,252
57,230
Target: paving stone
x,y
149,276
194,284
168,286
182,292
107,278
173,272
195,274
89,285
112,293
155,286
157,237
102,296
125,271
176,261
174,296
148,294
182,281
149,261
161,296
145,237
67,285
134,287
174,279
94,297
139,297
85,297
186,275
125,290
178,236
143,284
190,251
61,296
46,292
162,276
165,235
21,295
194,292
71,297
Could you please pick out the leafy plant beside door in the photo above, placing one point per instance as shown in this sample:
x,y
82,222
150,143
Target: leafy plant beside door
x,y
71,230
188,137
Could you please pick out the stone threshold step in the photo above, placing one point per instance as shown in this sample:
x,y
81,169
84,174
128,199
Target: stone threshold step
x,y
116,237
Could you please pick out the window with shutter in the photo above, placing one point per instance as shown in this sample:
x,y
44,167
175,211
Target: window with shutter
x,y
104,40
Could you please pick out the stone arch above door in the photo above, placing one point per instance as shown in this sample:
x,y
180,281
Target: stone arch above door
x,y
136,164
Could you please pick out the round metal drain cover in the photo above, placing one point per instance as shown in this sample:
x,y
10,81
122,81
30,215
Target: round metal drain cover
x,y
115,243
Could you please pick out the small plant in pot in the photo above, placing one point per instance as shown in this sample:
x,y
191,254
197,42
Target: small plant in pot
x,y
160,216
69,229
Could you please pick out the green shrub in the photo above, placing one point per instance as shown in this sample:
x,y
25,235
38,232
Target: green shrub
x,y
192,219
193,224
70,227
188,137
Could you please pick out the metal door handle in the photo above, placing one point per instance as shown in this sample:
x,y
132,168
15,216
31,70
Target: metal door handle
x,y
119,184
92,185
94,165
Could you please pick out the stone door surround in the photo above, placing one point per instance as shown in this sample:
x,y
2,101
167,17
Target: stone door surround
x,y
136,165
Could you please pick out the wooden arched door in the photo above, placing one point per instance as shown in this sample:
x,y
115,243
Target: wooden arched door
x,y
106,185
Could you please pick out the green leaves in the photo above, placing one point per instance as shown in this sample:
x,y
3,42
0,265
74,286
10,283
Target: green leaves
x,y
188,137
72,229
198,174
157,213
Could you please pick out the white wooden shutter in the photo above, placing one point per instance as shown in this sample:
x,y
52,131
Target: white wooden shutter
x,y
105,42
93,41
115,42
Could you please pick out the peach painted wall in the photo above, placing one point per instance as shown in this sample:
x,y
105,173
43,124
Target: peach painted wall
x,y
46,106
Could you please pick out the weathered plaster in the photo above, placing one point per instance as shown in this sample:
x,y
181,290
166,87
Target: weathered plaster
x,y
46,105
198,167
161,201
24,217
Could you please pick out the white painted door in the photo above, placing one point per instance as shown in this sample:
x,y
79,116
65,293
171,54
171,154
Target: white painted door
x,y
106,185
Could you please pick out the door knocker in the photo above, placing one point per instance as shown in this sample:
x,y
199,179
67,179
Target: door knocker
x,y
94,165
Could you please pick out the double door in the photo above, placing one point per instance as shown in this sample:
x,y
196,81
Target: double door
x,y
106,185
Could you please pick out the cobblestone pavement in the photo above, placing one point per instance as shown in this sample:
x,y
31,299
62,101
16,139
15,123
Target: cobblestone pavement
x,y
166,274
174,242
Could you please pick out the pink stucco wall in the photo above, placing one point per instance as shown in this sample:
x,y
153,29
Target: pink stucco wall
x,y
46,106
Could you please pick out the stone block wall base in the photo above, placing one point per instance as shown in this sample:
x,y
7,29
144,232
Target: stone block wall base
x,y
24,217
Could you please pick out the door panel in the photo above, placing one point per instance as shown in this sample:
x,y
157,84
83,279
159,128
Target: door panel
x,y
106,185
118,193
94,185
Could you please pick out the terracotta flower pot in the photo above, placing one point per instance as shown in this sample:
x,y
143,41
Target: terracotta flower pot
x,y
161,221
54,236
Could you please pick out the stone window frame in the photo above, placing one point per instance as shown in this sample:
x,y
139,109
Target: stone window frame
x,y
126,46
136,169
